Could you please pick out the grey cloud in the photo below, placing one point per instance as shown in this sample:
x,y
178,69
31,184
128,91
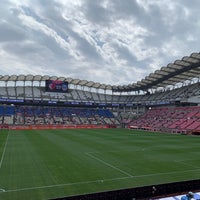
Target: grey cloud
x,y
64,29
96,13
10,26
124,53
86,48
194,5
10,33
125,9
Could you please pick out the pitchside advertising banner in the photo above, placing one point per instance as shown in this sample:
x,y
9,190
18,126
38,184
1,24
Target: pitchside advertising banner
x,y
56,86
44,127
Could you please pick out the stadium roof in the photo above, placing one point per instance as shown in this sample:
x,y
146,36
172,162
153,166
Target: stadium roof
x,y
187,68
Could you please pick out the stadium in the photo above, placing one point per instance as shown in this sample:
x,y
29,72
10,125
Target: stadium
x,y
65,138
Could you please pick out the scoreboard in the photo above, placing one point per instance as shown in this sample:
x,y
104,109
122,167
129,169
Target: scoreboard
x,y
56,86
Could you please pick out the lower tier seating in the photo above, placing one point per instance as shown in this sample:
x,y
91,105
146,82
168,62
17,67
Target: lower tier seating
x,y
174,119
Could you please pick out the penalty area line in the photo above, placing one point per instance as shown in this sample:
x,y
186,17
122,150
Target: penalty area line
x,y
108,164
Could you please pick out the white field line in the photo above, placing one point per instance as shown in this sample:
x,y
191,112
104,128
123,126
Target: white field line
x,y
167,173
121,150
4,150
112,166
185,162
62,185
95,181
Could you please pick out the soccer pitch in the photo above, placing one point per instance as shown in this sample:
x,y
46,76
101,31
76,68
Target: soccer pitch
x,y
49,164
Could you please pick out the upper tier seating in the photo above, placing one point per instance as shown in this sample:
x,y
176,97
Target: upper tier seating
x,y
80,95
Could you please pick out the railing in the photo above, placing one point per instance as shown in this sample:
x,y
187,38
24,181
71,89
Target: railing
x,y
146,192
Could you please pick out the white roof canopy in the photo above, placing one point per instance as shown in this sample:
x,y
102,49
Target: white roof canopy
x,y
181,70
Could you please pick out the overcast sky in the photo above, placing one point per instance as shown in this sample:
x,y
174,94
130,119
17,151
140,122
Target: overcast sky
x,y
108,41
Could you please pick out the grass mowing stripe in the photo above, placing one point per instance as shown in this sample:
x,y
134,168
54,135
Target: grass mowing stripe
x,y
4,150
116,168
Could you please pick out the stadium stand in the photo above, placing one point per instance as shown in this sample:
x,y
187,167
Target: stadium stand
x,y
175,119
57,115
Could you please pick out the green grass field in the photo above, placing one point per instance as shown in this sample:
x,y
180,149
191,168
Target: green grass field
x,y
55,163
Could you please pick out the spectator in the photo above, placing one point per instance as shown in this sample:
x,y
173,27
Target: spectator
x,y
188,196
